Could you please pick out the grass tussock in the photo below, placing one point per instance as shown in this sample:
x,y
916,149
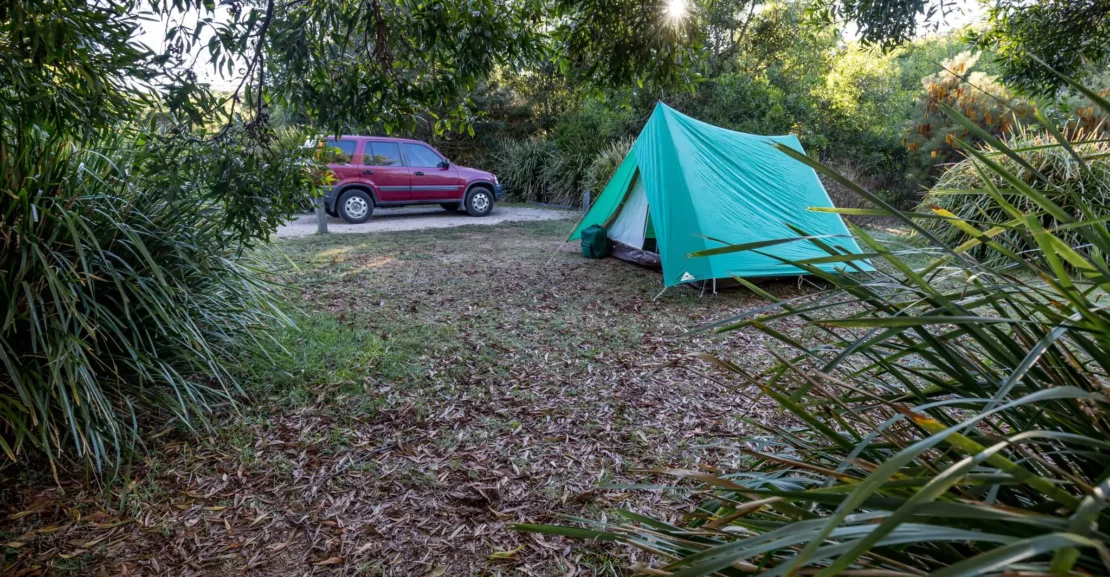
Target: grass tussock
x,y
1076,180
536,170
605,164
121,299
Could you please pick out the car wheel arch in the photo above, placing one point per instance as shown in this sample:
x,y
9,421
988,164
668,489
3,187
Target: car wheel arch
x,y
478,184
471,192
364,188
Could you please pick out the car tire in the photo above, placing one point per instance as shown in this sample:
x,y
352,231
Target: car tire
x,y
479,201
355,206
451,206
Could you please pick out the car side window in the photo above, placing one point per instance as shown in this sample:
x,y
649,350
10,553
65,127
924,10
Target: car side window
x,y
421,156
339,151
381,154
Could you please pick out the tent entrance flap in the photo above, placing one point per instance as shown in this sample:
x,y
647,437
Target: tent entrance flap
x,y
630,226
611,198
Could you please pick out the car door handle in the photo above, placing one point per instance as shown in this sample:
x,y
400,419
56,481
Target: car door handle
x,y
418,173
368,172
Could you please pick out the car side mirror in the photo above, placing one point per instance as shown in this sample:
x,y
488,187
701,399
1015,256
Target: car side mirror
x,y
445,164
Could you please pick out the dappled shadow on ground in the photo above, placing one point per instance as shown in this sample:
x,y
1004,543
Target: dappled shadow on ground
x,y
502,382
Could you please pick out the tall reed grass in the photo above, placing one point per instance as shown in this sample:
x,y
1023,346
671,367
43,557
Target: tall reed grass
x,y
606,163
535,170
1078,183
121,299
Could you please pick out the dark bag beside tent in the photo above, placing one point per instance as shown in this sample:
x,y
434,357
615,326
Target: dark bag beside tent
x,y
595,242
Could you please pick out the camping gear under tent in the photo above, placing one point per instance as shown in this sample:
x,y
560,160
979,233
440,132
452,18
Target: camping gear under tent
x,y
688,186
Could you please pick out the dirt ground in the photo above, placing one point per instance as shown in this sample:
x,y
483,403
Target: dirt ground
x,y
443,387
422,217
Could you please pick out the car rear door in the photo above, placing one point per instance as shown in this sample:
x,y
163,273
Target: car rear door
x,y
382,165
340,158
431,177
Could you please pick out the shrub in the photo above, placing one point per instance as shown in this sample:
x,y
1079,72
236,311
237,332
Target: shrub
x,y
519,164
949,418
596,122
1075,186
535,170
605,164
121,298
562,177
976,95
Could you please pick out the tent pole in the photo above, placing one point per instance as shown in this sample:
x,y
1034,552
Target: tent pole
x,y
714,287
555,251
560,245
586,210
659,295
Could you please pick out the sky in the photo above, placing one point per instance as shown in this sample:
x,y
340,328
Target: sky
x,y
153,34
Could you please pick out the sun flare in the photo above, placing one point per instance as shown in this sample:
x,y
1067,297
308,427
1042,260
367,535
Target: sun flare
x,y
676,9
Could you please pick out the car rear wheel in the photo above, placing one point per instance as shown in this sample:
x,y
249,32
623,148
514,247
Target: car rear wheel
x,y
355,206
479,202
450,206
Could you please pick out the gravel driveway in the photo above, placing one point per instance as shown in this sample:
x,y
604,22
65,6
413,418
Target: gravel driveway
x,y
420,217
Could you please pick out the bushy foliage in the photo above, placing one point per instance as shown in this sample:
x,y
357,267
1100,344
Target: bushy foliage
x,y
129,282
252,178
1074,110
595,122
122,297
1071,36
976,95
949,412
1081,188
562,177
605,164
553,166
519,165
535,170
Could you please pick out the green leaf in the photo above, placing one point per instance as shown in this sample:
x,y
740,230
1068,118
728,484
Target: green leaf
x,y
1008,555
572,532
917,321
754,245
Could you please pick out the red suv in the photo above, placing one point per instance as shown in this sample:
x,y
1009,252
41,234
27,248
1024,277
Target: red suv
x,y
376,171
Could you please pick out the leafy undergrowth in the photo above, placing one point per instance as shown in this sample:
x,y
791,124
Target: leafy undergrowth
x,y
444,385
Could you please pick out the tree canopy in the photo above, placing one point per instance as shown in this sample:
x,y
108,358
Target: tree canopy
x,y
1071,36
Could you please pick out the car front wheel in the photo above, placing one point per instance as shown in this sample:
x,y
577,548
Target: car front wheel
x,y
355,206
479,202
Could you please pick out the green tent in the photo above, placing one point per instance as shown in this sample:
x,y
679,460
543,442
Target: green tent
x,y
687,186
